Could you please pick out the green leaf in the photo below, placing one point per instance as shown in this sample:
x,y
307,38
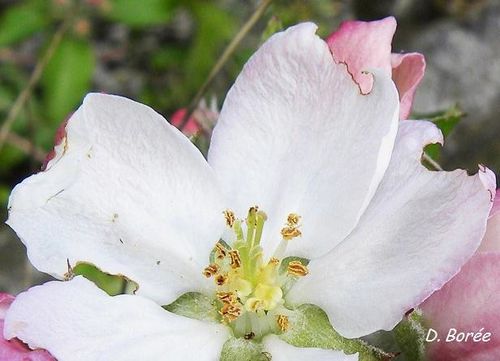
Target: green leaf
x,y
243,350
137,14
310,327
446,121
111,284
214,28
20,21
410,336
195,305
67,78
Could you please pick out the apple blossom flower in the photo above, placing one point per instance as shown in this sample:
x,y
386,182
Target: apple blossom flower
x,y
469,303
362,45
15,350
301,164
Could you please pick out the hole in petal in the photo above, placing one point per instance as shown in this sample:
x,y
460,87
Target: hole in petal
x,y
112,284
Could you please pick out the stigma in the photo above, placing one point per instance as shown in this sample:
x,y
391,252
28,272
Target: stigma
x,y
249,288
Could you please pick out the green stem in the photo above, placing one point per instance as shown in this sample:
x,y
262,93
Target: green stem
x,y
245,29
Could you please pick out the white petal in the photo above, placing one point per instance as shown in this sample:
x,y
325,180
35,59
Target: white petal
x,y
282,351
77,321
296,135
419,229
126,192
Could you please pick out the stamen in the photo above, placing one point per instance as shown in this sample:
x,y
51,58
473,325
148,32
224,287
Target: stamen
x,y
230,312
291,229
220,251
293,219
210,270
282,322
235,259
296,268
274,261
230,218
227,297
290,232
221,280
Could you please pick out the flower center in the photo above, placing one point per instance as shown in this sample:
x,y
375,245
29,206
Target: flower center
x,y
250,289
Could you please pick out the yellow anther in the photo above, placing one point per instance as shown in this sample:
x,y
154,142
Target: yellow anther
x,y
282,322
220,251
290,232
230,312
274,261
220,280
230,218
227,297
296,268
235,259
210,270
293,219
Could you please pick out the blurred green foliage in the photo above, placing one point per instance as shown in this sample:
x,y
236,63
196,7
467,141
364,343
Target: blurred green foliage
x,y
155,51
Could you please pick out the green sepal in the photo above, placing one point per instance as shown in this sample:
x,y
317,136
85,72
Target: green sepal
x,y
112,284
243,350
410,336
195,305
310,327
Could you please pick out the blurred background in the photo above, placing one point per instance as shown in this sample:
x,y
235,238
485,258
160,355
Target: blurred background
x,y
161,52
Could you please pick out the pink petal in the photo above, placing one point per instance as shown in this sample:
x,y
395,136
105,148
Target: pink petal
x,y
191,128
362,46
5,301
496,205
407,72
468,303
491,240
366,45
15,350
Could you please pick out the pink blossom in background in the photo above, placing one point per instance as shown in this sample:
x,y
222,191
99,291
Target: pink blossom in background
x,y
15,350
203,118
363,46
470,302
191,128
